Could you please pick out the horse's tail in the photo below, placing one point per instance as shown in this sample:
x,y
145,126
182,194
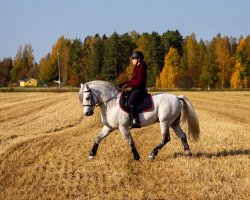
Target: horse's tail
x,y
189,116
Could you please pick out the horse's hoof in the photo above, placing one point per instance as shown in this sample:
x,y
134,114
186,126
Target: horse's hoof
x,y
137,158
151,158
188,153
91,157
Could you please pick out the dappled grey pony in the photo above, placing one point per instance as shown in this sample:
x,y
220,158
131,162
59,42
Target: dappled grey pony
x,y
167,111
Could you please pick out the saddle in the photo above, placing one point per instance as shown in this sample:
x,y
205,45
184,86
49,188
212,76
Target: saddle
x,y
147,104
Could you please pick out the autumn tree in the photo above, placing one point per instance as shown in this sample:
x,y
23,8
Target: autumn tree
x,y
190,68
22,63
49,64
142,44
248,55
47,69
240,76
34,71
223,60
170,70
63,47
28,57
128,44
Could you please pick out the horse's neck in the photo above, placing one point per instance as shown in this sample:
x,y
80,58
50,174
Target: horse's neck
x,y
109,104
106,95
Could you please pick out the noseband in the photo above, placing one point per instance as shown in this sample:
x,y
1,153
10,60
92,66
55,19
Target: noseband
x,y
92,102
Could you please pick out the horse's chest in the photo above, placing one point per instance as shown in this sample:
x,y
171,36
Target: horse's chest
x,y
109,120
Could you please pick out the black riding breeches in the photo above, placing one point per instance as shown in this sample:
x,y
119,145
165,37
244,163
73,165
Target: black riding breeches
x,y
135,97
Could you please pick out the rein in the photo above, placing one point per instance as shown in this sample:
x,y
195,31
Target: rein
x,y
96,104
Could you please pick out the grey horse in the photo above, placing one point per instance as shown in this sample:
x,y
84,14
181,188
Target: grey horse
x,y
168,111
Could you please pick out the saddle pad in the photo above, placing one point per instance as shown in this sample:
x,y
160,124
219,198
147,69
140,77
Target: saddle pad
x,y
147,104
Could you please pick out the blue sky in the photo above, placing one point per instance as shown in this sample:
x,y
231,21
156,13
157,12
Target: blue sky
x,y
42,22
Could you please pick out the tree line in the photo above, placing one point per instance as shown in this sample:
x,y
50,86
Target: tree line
x,y
173,61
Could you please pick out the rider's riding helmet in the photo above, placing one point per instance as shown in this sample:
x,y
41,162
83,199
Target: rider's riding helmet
x,y
138,55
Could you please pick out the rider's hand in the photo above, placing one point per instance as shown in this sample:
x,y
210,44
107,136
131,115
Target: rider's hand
x,y
121,85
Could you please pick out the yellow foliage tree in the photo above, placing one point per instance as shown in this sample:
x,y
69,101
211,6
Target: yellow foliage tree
x,y
239,77
236,80
223,60
170,70
62,45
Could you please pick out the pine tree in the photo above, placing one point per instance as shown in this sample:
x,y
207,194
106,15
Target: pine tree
x,y
208,77
172,39
75,62
155,59
111,58
17,65
96,58
5,68
28,57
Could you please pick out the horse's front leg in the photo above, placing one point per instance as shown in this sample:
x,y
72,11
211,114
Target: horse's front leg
x,y
105,131
128,137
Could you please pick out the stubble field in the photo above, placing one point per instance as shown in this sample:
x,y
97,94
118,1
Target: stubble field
x,y
45,142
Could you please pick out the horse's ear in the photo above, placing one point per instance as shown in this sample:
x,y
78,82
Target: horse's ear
x,y
87,86
82,86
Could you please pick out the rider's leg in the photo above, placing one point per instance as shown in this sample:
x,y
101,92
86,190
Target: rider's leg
x,y
134,101
135,117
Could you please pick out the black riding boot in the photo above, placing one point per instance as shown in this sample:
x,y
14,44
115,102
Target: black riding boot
x,y
135,122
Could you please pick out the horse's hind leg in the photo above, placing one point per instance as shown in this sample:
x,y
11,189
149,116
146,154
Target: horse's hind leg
x,y
179,132
165,139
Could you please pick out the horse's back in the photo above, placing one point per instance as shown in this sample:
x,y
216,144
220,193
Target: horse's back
x,y
166,99
167,104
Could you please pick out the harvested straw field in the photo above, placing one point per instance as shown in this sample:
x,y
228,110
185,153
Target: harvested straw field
x,y
45,143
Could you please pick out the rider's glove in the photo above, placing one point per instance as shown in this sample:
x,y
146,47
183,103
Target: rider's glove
x,y
122,84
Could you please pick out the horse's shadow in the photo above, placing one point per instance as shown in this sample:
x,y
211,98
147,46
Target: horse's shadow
x,y
223,153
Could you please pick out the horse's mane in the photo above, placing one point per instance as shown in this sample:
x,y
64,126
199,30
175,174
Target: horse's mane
x,y
106,85
101,83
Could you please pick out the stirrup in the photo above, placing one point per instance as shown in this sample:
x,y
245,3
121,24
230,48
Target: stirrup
x,y
136,126
135,123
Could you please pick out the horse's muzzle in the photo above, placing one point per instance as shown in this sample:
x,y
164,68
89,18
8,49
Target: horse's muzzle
x,y
89,113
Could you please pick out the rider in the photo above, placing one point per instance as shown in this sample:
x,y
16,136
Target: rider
x,y
138,83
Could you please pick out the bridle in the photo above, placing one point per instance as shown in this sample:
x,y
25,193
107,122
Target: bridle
x,y
94,104
92,101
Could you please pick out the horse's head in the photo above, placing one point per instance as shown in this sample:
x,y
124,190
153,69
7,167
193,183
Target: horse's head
x,y
96,93
88,100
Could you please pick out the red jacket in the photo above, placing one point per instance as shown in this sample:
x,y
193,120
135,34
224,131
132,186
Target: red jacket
x,y
139,77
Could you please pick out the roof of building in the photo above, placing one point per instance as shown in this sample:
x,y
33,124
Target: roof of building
x,y
27,79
